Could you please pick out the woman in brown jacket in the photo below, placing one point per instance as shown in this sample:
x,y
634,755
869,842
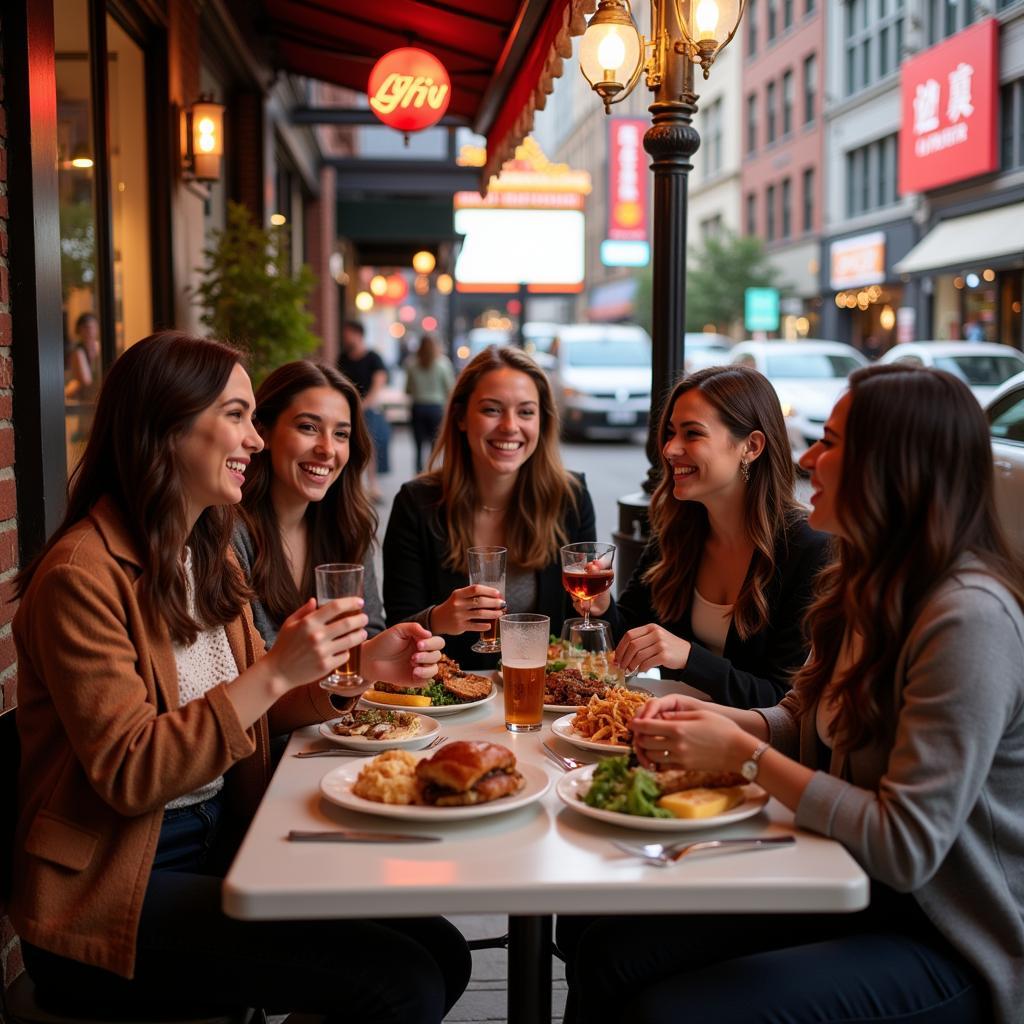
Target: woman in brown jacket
x,y
146,704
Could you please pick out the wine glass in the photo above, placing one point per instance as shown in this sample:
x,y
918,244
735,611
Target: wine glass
x,y
587,572
487,568
333,580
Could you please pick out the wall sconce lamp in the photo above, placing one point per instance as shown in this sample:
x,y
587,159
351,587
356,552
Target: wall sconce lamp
x,y
612,51
203,139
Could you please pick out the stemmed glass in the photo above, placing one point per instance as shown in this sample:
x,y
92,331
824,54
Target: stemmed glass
x,y
333,580
587,572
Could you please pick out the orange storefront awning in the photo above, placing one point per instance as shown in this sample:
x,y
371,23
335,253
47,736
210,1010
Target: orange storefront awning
x,y
502,55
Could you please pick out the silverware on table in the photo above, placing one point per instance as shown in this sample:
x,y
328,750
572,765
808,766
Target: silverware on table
x,y
347,752
349,836
567,763
663,855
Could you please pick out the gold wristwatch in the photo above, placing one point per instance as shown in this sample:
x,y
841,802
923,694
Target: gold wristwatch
x,y
749,768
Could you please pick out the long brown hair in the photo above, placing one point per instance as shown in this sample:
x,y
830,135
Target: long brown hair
x,y
148,403
915,494
745,402
426,354
341,526
544,491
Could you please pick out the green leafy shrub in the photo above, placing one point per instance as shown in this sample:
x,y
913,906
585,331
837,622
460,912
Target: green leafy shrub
x,y
251,298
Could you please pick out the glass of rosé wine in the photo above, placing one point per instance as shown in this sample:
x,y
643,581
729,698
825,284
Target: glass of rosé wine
x,y
586,573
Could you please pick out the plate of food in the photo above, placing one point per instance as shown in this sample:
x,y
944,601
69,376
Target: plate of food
x,y
604,722
374,729
597,666
464,779
568,689
675,800
451,691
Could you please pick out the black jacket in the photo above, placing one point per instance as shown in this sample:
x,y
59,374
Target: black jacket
x,y
751,673
416,578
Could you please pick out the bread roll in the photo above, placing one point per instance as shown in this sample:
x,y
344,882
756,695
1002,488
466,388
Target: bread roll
x,y
458,765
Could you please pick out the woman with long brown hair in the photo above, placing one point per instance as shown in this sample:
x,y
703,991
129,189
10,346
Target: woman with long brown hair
x,y
903,738
495,479
718,595
146,706
303,503
429,379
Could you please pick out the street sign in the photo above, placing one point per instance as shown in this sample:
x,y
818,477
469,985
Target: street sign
x,y
761,309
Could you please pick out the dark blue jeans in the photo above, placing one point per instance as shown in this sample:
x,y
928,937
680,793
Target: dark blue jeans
x,y
190,955
886,963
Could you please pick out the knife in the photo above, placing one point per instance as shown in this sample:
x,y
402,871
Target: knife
x,y
348,836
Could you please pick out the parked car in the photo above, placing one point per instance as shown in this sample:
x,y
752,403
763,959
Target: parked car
x,y
1005,413
808,376
703,349
602,379
982,366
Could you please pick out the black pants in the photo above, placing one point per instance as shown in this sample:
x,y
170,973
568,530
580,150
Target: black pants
x,y
426,420
189,953
886,963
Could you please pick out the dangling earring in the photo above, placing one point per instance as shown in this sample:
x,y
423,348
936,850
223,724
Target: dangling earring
x,y
745,470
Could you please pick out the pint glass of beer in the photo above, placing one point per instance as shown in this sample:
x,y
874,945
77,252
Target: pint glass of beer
x,y
524,654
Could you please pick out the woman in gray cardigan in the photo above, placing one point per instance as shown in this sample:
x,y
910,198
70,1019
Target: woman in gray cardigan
x,y
903,738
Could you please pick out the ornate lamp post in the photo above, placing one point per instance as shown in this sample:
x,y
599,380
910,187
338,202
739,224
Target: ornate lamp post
x,y
612,56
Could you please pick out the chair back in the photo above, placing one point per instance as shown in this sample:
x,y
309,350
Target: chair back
x,y
10,757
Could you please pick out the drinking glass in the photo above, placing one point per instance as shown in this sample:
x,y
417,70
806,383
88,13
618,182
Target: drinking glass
x,y
333,580
587,572
524,654
487,567
591,648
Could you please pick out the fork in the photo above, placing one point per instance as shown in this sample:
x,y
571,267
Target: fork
x,y
568,763
342,752
658,853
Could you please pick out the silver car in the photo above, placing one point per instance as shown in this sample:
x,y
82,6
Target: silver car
x,y
602,379
982,366
1006,426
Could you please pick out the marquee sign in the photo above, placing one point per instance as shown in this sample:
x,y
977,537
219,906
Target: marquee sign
x,y
409,89
950,100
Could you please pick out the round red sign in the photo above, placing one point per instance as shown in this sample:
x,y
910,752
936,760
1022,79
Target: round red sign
x,y
409,89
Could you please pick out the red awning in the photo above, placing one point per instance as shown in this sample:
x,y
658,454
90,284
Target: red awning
x,y
502,55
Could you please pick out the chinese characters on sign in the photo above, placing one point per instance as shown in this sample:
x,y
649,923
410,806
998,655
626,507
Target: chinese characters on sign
x,y
626,242
950,106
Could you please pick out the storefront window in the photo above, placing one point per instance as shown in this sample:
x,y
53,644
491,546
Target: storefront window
x,y
76,187
129,187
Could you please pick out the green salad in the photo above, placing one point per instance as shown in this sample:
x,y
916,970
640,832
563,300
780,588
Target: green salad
x,y
615,786
439,696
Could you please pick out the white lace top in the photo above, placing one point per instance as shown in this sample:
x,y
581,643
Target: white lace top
x,y
201,666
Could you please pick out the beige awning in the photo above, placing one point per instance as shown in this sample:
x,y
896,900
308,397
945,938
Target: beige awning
x,y
968,241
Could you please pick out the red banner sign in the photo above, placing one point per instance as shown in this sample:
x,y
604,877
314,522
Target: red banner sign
x,y
627,180
409,89
950,99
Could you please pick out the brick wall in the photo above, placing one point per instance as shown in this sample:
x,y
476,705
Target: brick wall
x,y
8,503
321,237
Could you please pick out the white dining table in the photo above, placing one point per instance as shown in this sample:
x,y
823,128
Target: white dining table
x,y
528,863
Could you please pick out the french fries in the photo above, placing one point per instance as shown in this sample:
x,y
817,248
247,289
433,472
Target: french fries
x,y
609,719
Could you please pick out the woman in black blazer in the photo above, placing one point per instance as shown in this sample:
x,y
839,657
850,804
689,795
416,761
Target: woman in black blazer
x,y
495,478
718,597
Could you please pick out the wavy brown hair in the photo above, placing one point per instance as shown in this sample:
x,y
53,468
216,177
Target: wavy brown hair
x,y
544,490
915,495
745,401
341,526
149,402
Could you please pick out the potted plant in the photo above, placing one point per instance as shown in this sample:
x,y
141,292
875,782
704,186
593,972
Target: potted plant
x,y
251,298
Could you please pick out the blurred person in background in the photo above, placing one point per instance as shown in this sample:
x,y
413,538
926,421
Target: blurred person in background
x,y
718,596
429,378
82,373
366,369
495,478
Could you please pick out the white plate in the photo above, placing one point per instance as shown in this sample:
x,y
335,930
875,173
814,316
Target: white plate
x,y
573,708
562,728
573,786
438,712
428,730
337,784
